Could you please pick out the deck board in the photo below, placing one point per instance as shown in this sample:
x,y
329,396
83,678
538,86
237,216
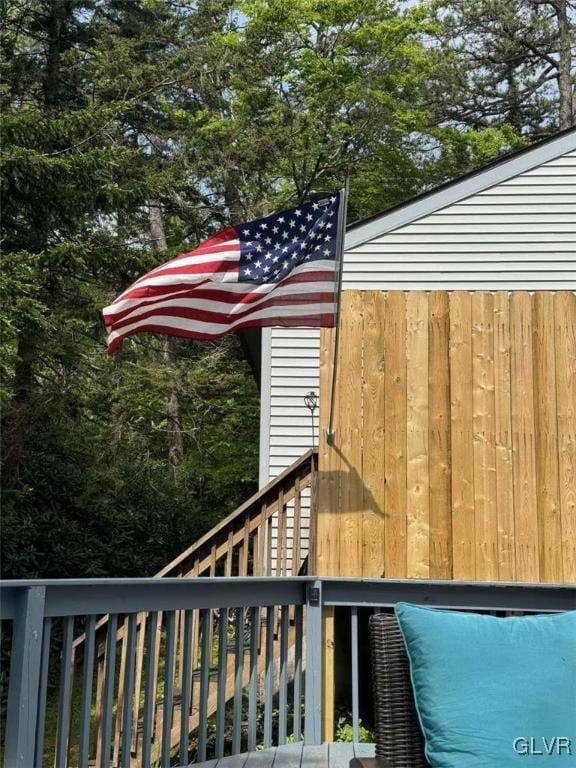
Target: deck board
x,y
233,761
364,750
315,757
263,758
333,755
340,754
288,756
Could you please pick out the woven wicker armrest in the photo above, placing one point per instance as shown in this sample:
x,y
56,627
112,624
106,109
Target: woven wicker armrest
x,y
399,739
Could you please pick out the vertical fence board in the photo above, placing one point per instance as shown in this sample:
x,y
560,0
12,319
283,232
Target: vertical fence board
x,y
395,436
503,438
417,425
547,478
439,436
463,513
373,430
327,539
565,337
348,436
523,439
483,417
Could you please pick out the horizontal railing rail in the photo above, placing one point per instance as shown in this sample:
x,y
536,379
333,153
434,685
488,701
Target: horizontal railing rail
x,y
262,634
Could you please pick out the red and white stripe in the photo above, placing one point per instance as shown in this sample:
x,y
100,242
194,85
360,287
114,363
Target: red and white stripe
x,y
197,296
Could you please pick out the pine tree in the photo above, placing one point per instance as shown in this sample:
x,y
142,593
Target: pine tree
x,y
507,62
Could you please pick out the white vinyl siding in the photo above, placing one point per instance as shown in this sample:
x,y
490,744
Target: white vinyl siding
x,y
294,372
519,234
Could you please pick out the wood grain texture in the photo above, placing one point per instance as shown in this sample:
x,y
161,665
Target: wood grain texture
x,y
463,508
439,436
483,417
349,436
373,431
523,439
455,451
328,688
417,426
547,478
503,438
328,502
565,340
395,436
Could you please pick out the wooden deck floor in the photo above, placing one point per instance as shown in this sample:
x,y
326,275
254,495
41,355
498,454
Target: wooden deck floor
x,y
294,756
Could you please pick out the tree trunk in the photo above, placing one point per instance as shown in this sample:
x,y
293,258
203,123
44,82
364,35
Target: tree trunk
x,y
175,438
232,198
14,430
565,90
60,15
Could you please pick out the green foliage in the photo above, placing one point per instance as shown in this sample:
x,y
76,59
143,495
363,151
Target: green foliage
x,y
96,493
209,113
345,731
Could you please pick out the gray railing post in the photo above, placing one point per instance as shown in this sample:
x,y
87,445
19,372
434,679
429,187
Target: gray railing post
x,y
313,689
22,712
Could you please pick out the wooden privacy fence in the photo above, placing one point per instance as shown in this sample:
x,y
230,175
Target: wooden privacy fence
x,y
455,449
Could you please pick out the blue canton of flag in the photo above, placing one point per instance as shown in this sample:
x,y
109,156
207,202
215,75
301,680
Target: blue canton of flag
x,y
272,247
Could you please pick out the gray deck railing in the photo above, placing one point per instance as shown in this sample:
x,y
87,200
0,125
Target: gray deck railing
x,y
263,634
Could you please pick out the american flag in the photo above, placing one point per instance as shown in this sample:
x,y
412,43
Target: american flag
x,y
278,270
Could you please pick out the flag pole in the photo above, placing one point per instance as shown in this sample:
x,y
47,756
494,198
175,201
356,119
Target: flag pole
x,y
342,211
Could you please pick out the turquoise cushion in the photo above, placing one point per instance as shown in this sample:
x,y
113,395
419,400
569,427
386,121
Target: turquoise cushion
x,y
493,692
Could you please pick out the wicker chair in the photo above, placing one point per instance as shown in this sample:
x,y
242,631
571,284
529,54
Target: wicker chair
x,y
399,740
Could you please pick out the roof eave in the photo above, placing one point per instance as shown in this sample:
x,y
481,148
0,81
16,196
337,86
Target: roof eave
x,y
455,191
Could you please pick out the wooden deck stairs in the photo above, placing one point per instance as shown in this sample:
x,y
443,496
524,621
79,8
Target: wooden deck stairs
x,y
268,535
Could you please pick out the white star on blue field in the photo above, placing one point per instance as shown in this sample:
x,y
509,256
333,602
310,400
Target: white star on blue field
x,y
270,248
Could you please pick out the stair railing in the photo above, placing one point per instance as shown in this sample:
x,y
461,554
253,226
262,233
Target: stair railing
x,y
269,535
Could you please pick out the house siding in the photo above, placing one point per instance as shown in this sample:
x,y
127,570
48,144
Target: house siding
x,y
519,234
